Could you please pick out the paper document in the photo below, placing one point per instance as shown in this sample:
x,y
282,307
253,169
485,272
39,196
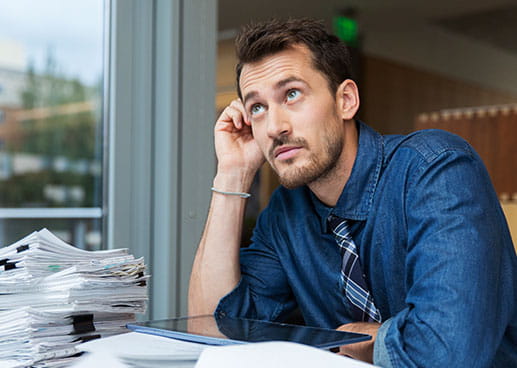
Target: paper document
x,y
273,355
139,350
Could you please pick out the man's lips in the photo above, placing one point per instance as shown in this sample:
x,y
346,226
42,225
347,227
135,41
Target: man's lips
x,y
286,152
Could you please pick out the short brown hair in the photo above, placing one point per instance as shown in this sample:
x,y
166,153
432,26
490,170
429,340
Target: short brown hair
x,y
329,55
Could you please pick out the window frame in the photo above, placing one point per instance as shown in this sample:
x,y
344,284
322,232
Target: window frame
x,y
155,204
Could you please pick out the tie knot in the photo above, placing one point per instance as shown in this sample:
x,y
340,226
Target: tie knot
x,y
334,223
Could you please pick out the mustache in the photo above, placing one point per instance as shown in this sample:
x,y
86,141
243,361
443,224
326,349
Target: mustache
x,y
285,140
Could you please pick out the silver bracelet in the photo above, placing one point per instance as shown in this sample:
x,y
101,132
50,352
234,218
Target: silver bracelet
x,y
240,194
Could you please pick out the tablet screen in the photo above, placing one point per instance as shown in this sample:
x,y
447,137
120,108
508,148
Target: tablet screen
x,y
228,330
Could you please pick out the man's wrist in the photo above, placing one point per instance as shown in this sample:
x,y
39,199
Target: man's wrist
x,y
234,180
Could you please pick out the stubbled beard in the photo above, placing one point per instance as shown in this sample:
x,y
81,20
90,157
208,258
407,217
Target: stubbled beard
x,y
316,169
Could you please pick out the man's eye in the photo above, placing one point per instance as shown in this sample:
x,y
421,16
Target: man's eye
x,y
292,94
257,108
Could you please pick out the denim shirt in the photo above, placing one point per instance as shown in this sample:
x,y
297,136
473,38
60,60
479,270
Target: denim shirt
x,y
433,243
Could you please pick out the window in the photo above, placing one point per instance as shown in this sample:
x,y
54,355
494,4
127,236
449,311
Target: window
x,y
51,73
152,192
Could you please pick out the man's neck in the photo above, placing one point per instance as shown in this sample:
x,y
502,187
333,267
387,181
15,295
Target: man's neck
x,y
329,188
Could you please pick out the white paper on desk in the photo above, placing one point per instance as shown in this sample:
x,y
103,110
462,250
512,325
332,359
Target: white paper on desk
x,y
273,355
140,346
98,360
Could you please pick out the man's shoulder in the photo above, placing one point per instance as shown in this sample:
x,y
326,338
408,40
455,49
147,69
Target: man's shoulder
x,y
428,144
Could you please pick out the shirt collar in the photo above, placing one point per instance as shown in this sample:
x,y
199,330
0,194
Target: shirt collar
x,y
356,199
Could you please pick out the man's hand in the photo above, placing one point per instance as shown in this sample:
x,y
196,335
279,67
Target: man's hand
x,y
361,350
235,146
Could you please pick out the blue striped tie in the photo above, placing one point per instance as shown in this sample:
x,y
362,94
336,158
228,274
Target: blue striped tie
x,y
356,290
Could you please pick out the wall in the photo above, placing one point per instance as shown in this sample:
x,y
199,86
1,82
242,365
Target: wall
x,y
392,94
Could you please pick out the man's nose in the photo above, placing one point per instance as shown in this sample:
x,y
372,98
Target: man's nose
x,y
278,122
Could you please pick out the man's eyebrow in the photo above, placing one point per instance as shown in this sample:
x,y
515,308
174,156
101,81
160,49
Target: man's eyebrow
x,y
279,84
249,95
288,80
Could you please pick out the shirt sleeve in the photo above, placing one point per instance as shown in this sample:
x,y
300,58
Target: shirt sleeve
x,y
458,269
263,291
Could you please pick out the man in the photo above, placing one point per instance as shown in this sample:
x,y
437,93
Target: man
x,y
400,237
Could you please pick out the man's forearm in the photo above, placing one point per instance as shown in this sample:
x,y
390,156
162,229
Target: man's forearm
x,y
216,269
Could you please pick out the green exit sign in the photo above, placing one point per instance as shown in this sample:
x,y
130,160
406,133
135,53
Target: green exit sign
x,y
346,29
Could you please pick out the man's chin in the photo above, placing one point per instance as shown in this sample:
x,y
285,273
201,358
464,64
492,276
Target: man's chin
x,y
291,184
286,180
296,175
294,180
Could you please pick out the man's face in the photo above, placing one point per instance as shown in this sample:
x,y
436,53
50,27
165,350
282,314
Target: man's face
x,y
293,115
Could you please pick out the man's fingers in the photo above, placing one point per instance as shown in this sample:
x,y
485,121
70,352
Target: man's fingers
x,y
231,115
235,114
237,104
360,350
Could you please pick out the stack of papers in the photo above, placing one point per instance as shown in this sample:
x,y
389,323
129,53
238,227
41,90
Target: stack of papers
x,y
54,296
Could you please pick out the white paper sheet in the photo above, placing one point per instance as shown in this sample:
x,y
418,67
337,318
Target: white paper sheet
x,y
135,345
273,355
139,350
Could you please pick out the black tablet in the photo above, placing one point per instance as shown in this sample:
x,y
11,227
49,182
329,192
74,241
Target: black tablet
x,y
224,330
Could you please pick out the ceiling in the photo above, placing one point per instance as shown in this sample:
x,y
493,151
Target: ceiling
x,y
496,26
492,22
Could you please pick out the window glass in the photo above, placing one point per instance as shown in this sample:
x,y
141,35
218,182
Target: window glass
x,y
51,78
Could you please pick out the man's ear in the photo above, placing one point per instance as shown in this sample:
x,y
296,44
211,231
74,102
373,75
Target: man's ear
x,y
347,99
